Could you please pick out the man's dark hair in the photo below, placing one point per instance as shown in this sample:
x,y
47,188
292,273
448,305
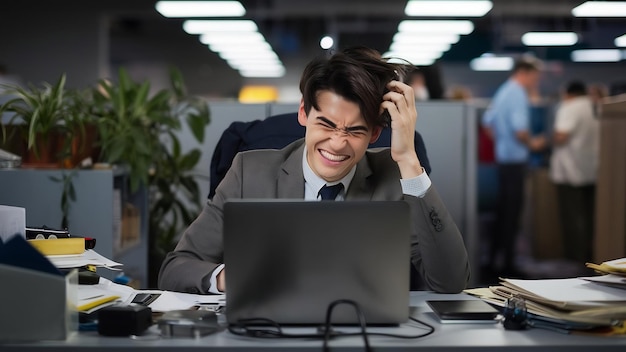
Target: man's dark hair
x,y
527,63
576,88
357,74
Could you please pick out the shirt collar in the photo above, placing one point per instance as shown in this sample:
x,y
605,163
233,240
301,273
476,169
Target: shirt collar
x,y
316,182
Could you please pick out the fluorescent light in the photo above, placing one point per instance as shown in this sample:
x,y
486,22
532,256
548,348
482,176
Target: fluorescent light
x,y
549,38
256,66
413,54
620,41
418,47
417,38
436,26
246,60
600,9
231,37
251,66
200,8
241,47
492,63
262,73
206,26
241,53
596,55
477,8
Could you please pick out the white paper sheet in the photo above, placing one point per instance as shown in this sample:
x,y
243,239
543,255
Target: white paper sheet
x,y
89,257
570,290
610,279
176,300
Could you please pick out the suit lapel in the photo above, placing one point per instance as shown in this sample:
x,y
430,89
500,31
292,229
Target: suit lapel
x,y
290,176
359,187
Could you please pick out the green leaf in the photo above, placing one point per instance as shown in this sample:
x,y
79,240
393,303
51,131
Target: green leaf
x,y
178,84
190,160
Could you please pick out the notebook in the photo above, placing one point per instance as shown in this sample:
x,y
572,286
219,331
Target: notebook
x,y
287,261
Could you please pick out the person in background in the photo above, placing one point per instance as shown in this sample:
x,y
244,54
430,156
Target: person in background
x,y
573,168
459,92
507,122
416,80
346,100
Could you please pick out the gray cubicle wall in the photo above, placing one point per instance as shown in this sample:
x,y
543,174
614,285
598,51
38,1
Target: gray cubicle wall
x,y
92,214
448,130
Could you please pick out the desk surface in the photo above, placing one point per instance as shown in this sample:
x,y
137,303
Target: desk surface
x,y
447,337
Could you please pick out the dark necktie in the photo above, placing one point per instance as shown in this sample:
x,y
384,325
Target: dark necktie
x,y
330,192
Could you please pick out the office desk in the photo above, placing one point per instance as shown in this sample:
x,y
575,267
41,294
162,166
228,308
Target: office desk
x,y
448,337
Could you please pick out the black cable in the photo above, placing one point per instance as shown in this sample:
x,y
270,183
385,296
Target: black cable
x,y
266,328
360,316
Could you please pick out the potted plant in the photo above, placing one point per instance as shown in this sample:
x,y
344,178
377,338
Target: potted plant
x,y
46,119
139,130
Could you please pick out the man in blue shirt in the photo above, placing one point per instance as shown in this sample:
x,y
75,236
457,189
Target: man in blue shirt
x,y
507,121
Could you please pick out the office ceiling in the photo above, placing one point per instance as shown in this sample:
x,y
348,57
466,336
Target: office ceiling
x,y
294,27
139,35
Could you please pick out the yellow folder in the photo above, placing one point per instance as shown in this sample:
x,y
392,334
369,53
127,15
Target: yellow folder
x,y
59,246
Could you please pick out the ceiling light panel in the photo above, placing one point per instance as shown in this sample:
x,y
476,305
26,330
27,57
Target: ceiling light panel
x,y
177,9
620,41
492,63
549,38
417,38
430,27
206,26
600,9
460,8
596,55
231,37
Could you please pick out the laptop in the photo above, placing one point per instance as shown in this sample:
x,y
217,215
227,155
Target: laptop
x,y
287,261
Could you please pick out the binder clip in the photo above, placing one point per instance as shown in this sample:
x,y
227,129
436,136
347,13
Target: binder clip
x,y
515,314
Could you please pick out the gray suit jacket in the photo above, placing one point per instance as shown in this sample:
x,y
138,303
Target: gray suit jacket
x,y
437,249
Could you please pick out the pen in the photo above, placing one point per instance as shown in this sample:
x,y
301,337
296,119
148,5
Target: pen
x,y
88,306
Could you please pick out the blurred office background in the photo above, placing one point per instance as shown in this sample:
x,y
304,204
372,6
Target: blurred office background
x,y
90,40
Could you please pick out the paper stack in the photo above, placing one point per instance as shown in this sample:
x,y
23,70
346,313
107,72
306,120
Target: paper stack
x,y
613,267
88,257
570,304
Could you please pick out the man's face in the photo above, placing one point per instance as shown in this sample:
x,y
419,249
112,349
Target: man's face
x,y
337,136
532,78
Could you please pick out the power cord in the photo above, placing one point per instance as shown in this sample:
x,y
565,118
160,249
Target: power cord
x,y
360,316
267,328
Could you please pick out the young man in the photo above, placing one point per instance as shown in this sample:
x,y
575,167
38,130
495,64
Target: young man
x,y
344,101
507,121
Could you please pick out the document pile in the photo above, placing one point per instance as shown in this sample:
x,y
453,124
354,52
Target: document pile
x,y
596,303
614,273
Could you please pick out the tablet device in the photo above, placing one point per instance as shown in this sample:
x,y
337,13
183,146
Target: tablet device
x,y
463,311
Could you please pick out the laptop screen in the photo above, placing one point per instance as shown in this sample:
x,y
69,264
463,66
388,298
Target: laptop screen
x,y
287,261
